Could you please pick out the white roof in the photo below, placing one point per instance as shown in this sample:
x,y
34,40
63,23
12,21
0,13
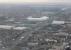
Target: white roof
x,y
5,27
19,28
11,27
38,19
62,34
58,22
50,40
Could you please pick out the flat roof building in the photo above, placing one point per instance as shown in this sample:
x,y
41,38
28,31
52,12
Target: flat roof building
x,y
58,22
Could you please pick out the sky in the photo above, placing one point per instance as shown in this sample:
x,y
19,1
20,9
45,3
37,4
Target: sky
x,y
35,1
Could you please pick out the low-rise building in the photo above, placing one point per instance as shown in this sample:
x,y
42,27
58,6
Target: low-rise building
x,y
58,22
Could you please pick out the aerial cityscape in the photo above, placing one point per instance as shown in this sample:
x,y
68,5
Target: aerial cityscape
x,y
35,27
